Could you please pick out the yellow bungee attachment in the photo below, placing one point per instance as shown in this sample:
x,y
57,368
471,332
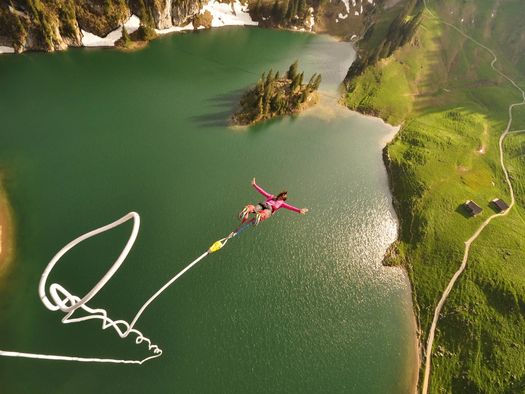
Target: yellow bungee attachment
x,y
216,246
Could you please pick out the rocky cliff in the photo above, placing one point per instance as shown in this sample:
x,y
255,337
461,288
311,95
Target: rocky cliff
x,y
50,25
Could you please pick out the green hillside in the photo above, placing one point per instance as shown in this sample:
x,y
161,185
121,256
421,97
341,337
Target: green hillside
x,y
453,107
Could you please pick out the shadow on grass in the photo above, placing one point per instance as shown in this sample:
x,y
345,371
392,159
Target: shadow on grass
x,y
463,211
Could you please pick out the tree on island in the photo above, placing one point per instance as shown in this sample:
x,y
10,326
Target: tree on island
x,y
274,95
292,71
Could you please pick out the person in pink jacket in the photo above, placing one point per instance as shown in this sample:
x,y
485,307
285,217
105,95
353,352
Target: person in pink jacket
x,y
265,209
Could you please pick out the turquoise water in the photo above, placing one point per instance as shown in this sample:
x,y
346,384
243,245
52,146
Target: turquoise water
x,y
301,304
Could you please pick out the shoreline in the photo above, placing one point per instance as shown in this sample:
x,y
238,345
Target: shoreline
x,y
392,247
223,14
312,101
415,320
6,233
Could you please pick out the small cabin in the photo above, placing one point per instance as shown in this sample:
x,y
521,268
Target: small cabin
x,y
472,208
500,205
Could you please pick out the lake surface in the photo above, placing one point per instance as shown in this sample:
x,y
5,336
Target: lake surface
x,y
300,304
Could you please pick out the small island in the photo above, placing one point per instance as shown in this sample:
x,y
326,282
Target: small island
x,y
274,95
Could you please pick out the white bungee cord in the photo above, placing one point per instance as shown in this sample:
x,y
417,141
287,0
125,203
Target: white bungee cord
x,y
61,299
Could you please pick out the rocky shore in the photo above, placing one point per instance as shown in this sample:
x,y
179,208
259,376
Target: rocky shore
x,y
46,25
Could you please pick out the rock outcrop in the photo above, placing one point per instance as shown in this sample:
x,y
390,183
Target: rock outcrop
x,y
182,11
162,14
50,25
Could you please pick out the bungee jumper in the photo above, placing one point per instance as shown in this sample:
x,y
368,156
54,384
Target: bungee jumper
x,y
58,298
264,210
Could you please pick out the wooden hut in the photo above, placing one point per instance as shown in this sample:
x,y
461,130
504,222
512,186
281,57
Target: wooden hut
x,y
472,208
500,205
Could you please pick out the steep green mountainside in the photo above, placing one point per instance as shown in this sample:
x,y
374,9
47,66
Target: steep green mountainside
x,y
453,108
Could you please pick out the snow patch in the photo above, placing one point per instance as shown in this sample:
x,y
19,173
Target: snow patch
x,y
224,14
4,49
234,14
312,19
341,16
133,24
92,40
174,29
347,4
356,13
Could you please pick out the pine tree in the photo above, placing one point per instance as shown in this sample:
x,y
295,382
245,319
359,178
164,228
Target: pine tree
x,y
409,29
260,107
292,71
125,36
276,12
289,10
304,96
296,82
274,104
256,11
317,82
145,14
281,103
269,78
301,77
301,8
146,33
295,8
259,87
310,84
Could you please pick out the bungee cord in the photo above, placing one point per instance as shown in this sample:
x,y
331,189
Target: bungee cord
x,y
59,298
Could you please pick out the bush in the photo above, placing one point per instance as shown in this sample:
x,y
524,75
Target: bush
x,y
146,33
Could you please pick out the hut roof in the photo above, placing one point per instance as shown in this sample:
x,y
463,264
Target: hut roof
x,y
473,208
500,204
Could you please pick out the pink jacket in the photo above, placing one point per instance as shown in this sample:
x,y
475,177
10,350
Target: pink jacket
x,y
275,204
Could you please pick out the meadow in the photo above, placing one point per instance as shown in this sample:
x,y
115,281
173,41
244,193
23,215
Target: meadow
x,y
453,109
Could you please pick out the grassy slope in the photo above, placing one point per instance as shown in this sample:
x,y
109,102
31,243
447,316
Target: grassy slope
x,y
452,104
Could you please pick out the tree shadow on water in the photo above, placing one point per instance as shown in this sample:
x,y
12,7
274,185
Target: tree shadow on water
x,y
220,109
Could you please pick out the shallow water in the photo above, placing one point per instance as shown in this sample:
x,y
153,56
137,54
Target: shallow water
x,y
299,304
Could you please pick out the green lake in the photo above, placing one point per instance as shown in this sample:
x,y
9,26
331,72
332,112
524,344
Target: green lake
x,y
300,304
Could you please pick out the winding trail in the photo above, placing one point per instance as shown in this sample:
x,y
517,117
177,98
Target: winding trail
x,y
468,243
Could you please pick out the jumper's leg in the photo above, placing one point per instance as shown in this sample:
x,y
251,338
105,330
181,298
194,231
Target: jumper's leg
x,y
243,215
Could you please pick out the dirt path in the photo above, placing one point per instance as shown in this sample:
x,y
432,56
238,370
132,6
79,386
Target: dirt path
x,y
469,242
